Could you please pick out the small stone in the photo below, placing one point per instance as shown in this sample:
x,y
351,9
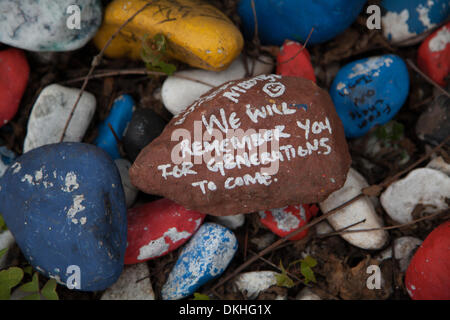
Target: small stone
x,y
294,19
178,92
440,165
263,241
204,258
14,73
369,91
133,284
6,158
145,125
294,60
286,220
307,294
433,56
50,113
423,186
404,248
6,242
251,284
309,156
130,191
197,33
231,222
433,125
47,25
157,228
404,20
361,209
119,118
428,277
323,228
65,206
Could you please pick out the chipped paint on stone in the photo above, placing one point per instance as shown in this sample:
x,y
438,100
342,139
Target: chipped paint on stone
x,y
370,67
440,40
16,166
71,183
154,248
423,14
175,235
76,206
395,26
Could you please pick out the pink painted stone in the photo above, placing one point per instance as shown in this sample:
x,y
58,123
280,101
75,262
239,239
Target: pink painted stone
x,y
295,61
158,227
286,220
433,56
14,73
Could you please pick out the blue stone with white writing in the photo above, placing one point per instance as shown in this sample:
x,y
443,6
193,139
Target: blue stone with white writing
x,y
205,257
294,19
65,206
405,19
119,117
369,91
48,25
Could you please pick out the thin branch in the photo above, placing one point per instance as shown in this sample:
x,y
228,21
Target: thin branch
x,y
95,62
427,78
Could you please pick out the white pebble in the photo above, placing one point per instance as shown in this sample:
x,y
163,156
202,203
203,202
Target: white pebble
x,y
251,284
362,209
133,284
323,228
263,241
130,191
178,93
439,164
232,222
424,186
51,112
404,248
307,294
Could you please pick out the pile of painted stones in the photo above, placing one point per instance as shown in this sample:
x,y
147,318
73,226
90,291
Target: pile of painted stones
x,y
248,136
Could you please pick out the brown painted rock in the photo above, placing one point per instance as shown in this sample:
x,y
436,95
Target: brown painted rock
x,y
253,144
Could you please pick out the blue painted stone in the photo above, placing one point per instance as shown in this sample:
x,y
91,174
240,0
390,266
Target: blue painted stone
x,y
293,19
205,257
6,158
369,91
404,19
65,205
119,117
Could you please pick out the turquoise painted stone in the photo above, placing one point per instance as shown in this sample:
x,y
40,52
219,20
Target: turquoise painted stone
x,y
47,25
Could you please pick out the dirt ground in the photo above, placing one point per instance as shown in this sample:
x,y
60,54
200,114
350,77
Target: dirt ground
x,y
341,268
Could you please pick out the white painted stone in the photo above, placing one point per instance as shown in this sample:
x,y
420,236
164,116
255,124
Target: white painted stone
x,y
307,294
355,212
50,113
133,284
439,164
323,228
131,191
424,186
232,222
6,241
178,93
404,248
42,25
264,240
251,284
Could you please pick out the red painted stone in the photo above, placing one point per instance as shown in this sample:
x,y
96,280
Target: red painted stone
x,y
286,220
293,62
14,72
158,227
428,274
433,56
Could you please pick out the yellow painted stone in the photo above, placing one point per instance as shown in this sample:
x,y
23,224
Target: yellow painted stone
x,y
197,33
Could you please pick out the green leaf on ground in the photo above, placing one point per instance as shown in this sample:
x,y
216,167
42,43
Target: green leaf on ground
x,y
200,296
9,278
